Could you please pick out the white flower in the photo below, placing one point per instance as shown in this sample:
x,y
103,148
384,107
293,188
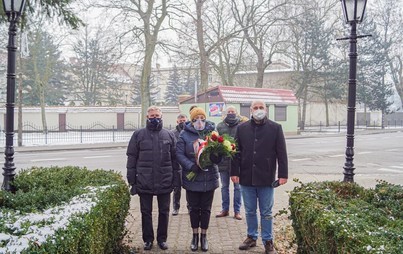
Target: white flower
x,y
369,248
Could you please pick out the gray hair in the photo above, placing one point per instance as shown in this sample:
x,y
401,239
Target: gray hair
x,y
154,108
181,116
231,107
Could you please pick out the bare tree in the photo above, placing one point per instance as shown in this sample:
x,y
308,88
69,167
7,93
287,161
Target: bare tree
x,y
93,65
260,22
227,59
387,16
311,30
143,21
209,36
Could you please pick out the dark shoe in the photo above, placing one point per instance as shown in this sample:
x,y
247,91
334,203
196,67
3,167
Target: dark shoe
x,y
163,245
194,245
237,216
222,214
203,242
175,212
269,247
247,244
148,245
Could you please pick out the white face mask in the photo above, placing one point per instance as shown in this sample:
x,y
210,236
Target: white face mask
x,y
199,124
259,114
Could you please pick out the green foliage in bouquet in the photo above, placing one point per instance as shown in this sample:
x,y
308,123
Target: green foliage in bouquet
x,y
219,145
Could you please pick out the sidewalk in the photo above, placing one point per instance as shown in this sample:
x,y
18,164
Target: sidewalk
x,y
225,234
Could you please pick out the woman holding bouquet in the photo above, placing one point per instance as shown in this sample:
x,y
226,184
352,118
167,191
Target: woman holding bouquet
x,y
199,183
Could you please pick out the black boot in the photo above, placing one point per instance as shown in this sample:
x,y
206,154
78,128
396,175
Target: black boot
x,y
203,242
194,245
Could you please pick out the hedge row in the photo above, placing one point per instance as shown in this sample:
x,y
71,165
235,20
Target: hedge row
x,y
98,227
338,217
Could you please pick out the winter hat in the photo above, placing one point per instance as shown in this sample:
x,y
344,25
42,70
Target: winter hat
x,y
197,111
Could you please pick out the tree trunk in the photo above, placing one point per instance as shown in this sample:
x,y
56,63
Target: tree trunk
x,y
260,70
327,111
304,102
42,104
202,47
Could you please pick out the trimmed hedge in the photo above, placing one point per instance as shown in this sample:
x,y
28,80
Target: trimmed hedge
x,y
339,217
99,229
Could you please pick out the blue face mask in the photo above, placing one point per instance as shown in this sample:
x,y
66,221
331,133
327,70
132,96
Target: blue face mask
x,y
154,123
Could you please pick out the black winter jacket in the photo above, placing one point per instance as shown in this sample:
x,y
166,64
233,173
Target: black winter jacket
x,y
230,129
151,161
205,180
261,147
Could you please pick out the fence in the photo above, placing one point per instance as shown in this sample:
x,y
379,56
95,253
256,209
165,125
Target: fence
x,y
33,135
364,125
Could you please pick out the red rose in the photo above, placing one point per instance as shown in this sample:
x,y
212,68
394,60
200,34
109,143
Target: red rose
x,y
214,137
220,139
233,146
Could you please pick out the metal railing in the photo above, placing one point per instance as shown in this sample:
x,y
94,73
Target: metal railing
x,y
33,135
363,125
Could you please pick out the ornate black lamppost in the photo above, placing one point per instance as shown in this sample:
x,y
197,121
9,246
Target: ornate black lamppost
x,y
13,10
353,11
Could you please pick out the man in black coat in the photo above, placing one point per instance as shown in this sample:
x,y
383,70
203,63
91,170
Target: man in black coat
x,y
261,146
152,170
181,119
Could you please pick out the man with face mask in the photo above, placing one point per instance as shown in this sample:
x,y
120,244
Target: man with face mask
x,y
181,119
262,147
229,126
152,170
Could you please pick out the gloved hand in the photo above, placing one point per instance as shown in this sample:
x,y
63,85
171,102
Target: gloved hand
x,y
195,169
133,190
215,158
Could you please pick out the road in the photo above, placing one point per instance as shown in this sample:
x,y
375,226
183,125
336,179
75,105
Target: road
x,y
377,156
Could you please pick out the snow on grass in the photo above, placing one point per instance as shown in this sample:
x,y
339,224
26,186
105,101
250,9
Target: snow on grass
x,y
38,227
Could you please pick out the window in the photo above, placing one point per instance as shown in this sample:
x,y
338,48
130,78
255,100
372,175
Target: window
x,y
280,113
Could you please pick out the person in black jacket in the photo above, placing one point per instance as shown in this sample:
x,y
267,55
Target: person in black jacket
x,y
229,126
152,170
261,146
181,119
200,190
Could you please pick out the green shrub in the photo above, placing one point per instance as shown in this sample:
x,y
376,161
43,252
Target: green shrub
x,y
98,228
338,217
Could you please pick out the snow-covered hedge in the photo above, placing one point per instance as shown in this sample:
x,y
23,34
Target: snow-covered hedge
x,y
64,210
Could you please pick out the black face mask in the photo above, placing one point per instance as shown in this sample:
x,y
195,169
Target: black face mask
x,y
230,116
231,119
181,125
154,123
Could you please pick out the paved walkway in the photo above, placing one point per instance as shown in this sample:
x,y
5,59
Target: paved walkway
x,y
224,234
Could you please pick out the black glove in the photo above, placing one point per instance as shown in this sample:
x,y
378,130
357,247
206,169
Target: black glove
x,y
133,190
215,158
195,169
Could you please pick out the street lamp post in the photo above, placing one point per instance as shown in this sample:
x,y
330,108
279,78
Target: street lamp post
x,y
353,11
13,10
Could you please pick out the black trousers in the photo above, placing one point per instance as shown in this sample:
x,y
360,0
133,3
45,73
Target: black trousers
x,y
146,207
199,208
176,198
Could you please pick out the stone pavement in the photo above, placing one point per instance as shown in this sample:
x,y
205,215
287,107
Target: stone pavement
x,y
225,234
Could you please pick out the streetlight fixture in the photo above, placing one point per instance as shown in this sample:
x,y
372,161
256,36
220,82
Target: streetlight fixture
x,y
353,11
13,10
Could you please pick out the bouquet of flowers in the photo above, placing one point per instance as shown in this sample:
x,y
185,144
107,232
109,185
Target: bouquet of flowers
x,y
213,144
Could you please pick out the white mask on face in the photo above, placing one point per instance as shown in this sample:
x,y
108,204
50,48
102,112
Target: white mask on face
x,y
199,124
259,114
